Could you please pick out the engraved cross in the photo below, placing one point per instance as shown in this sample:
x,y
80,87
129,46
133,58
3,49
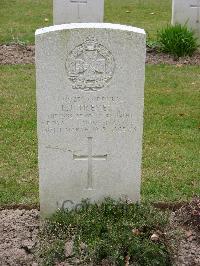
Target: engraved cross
x,y
78,2
90,157
197,6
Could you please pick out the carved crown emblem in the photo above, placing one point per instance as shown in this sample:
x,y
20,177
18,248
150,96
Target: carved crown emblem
x,y
90,66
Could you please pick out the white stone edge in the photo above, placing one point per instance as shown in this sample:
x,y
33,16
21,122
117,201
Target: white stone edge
x,y
72,26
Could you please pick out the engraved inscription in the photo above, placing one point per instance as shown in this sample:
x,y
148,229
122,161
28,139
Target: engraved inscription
x,y
78,1
90,157
195,6
89,115
90,66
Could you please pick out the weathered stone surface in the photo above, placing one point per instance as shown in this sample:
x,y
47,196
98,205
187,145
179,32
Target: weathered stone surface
x,y
90,92
187,11
68,11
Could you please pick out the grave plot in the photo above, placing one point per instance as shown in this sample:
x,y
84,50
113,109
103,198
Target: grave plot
x,y
95,130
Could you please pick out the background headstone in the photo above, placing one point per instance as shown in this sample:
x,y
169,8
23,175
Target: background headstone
x,y
90,92
69,11
187,11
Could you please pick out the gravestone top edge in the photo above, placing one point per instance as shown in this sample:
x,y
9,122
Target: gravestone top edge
x,y
72,26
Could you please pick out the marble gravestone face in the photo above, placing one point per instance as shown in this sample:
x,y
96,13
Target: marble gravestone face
x,y
69,11
187,11
90,93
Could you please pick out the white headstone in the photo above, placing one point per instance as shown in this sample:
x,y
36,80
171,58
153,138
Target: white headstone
x,y
69,11
90,92
187,11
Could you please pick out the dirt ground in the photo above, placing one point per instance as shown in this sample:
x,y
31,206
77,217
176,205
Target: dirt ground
x,y
19,239
17,54
21,54
184,234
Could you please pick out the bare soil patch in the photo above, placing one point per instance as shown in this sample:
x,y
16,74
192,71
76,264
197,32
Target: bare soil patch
x,y
19,242
19,237
21,54
17,54
184,232
154,57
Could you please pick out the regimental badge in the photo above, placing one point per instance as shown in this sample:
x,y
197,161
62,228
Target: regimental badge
x,y
90,66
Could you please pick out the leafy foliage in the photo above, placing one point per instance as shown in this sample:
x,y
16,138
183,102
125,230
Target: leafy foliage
x,y
177,40
152,44
112,231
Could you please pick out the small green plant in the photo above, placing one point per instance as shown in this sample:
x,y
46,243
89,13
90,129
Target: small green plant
x,y
177,40
117,232
53,252
152,44
18,41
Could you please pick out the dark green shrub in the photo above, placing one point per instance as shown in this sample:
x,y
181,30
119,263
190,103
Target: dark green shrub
x,y
177,40
111,231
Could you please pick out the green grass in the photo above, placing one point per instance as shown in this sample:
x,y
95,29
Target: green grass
x,y
115,231
150,15
20,18
171,134
19,182
171,165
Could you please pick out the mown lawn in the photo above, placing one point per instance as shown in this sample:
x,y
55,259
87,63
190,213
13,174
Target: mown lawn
x,y
171,134
19,182
20,18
